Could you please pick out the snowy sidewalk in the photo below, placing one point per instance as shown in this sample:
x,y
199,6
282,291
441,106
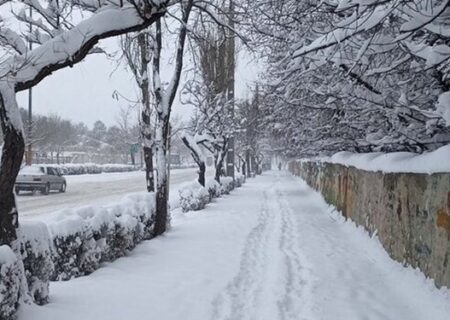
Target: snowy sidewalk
x,y
270,250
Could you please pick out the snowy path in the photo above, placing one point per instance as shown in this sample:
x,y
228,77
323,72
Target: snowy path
x,y
271,250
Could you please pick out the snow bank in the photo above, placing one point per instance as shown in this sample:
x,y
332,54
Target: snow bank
x,y
85,237
195,197
429,162
92,168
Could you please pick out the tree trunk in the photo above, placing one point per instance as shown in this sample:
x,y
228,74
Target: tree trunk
x,y
164,100
247,160
197,158
201,173
162,196
146,113
133,160
220,158
149,177
12,156
254,169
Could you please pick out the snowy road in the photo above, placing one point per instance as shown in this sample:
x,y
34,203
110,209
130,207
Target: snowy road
x,y
97,189
272,250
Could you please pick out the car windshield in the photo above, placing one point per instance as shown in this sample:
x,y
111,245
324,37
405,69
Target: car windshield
x,y
32,170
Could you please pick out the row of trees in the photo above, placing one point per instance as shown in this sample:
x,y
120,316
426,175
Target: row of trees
x,y
354,75
53,134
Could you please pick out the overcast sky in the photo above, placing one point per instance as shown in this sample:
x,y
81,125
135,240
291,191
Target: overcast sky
x,y
85,92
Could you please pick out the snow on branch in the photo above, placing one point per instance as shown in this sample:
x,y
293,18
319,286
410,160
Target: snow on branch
x,y
71,46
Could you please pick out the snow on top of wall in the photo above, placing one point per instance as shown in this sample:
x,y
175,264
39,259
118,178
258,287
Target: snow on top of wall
x,y
429,162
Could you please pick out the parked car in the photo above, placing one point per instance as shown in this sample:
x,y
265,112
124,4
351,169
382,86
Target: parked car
x,y
40,178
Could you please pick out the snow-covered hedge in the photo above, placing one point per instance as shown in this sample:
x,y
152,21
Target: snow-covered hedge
x,y
11,274
28,277
214,188
35,248
88,236
118,168
239,180
195,197
92,168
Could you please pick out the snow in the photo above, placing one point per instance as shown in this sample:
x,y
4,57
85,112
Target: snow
x,y
348,28
7,256
428,162
443,107
32,170
36,235
10,105
271,250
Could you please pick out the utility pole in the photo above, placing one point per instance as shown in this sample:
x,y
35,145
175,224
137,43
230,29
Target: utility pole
x,y
231,48
29,153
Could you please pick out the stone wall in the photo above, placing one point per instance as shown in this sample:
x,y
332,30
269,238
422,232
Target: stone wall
x,y
410,212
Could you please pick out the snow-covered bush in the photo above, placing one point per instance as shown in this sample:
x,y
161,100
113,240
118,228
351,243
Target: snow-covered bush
x,y
76,252
239,180
124,236
118,167
92,168
35,248
227,184
77,168
214,188
10,283
88,236
193,196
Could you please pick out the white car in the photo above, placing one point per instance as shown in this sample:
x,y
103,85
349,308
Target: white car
x,y
40,178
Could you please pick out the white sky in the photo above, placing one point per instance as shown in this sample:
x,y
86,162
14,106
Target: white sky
x,y
85,92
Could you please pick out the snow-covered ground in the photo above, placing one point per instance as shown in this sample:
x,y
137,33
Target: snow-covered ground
x,y
270,250
96,190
